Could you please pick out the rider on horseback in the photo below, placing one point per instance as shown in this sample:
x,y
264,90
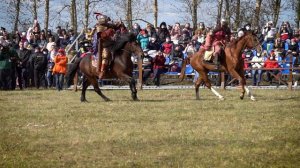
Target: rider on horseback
x,y
106,32
217,39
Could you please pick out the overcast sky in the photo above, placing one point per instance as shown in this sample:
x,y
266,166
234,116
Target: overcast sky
x,y
167,12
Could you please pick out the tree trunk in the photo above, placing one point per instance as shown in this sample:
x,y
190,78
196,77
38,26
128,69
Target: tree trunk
x,y
46,14
17,15
298,14
237,17
194,14
74,16
129,14
86,14
155,8
34,9
220,5
255,20
277,4
227,12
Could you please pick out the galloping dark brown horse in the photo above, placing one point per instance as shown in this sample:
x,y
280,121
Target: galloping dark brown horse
x,y
232,62
121,66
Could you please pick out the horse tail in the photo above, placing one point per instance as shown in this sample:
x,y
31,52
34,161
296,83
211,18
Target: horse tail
x,y
72,69
184,63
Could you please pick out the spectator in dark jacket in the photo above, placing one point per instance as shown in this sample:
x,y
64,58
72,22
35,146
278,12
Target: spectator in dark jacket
x,y
153,44
39,61
5,66
147,66
136,29
163,32
24,65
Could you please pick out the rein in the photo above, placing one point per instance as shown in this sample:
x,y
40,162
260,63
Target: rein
x,y
126,51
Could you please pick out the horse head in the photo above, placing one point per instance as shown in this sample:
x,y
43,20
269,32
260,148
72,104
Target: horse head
x,y
252,41
128,43
133,46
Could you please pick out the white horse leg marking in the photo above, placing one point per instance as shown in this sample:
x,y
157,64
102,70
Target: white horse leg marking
x,y
217,94
249,93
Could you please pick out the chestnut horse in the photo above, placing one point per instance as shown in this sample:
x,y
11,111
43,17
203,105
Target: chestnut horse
x,y
231,61
121,66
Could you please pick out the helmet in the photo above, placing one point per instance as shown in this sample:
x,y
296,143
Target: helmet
x,y
103,19
223,22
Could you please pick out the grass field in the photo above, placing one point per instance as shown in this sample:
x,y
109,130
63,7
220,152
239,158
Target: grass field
x,y
166,128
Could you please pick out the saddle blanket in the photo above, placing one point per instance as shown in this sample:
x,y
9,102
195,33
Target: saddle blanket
x,y
208,55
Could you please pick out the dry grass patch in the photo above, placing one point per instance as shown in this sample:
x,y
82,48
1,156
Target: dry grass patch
x,y
166,128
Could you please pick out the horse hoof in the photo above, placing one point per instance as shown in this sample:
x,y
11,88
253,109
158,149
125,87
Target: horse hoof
x,y
136,99
241,97
107,100
222,98
252,98
84,101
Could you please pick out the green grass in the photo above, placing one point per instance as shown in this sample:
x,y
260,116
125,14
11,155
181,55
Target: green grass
x,y
46,128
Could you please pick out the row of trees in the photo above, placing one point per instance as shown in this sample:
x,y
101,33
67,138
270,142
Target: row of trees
x,y
21,13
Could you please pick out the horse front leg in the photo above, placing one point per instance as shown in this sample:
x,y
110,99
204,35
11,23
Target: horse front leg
x,y
85,84
241,79
133,89
132,85
208,85
197,85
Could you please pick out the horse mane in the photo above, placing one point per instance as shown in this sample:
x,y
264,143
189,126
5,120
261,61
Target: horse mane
x,y
234,42
122,40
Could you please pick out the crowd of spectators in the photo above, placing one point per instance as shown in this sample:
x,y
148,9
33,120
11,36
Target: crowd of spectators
x,y
33,58
37,58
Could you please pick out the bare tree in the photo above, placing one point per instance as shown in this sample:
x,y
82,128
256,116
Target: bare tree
x,y
73,15
155,10
190,7
129,14
34,7
276,8
220,6
86,14
46,14
255,21
297,13
17,6
227,11
194,13
237,17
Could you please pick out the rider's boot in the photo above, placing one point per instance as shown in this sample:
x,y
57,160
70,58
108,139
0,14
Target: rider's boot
x,y
102,71
216,61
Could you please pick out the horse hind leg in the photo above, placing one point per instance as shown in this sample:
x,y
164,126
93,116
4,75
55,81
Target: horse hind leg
x,y
97,89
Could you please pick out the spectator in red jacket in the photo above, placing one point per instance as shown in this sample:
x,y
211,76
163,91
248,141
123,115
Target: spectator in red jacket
x,y
158,67
167,47
271,63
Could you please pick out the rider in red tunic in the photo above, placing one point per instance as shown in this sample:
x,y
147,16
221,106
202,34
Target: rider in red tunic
x,y
217,39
